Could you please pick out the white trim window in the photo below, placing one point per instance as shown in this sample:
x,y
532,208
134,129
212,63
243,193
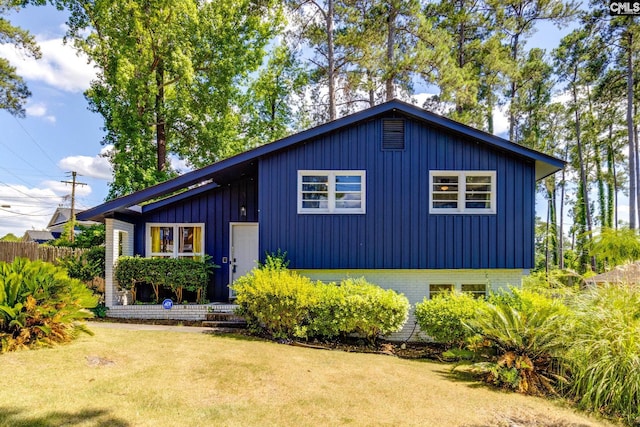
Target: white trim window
x,y
476,290
174,240
331,192
440,289
462,192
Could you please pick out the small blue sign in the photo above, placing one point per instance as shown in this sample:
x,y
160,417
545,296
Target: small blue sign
x,y
167,304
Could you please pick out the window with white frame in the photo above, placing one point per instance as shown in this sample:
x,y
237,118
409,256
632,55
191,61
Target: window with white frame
x,y
462,192
439,289
333,192
478,290
175,240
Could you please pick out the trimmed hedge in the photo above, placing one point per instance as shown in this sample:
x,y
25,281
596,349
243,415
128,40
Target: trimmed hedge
x,y
284,304
176,274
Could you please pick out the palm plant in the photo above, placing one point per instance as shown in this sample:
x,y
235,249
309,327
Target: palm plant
x,y
524,341
40,304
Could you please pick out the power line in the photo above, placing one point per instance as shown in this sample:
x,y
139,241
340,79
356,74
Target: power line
x,y
22,192
18,155
35,142
16,214
16,176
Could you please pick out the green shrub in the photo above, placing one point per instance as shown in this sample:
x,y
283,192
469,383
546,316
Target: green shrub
x,y
328,316
176,274
275,301
443,317
89,265
275,261
373,311
605,352
286,305
524,331
40,304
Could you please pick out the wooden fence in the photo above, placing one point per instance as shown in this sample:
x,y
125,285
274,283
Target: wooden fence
x,y
34,251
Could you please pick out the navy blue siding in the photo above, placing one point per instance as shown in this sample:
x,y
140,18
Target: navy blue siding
x,y
216,208
397,230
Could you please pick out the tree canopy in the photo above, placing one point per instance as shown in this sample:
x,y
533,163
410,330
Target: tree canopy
x,y
13,89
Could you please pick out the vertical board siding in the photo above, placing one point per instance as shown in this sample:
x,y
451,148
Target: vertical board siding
x,y
215,208
397,231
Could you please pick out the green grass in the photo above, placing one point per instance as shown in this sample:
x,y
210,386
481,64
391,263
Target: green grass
x,y
162,378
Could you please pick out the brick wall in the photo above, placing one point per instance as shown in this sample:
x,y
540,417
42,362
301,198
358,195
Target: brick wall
x,y
157,312
414,284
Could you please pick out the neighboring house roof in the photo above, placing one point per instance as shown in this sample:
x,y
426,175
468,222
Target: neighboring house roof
x,y
623,274
544,164
38,236
60,217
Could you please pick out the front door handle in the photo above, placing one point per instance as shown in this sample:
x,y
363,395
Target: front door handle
x,y
233,270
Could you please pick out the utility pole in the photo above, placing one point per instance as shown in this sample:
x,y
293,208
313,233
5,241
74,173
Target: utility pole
x,y
73,182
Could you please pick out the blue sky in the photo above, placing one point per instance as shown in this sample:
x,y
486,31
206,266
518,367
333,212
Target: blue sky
x,y
60,134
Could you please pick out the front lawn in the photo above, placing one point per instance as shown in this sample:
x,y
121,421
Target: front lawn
x,y
162,378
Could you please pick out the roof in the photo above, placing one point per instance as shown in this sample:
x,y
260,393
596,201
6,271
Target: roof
x,y
38,236
544,164
61,216
622,274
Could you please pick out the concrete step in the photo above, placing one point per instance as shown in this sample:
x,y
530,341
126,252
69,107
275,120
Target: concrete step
x,y
223,317
224,324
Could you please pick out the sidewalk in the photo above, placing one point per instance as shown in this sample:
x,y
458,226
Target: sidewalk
x,y
145,327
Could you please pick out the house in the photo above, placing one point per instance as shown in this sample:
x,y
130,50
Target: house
x,y
37,236
411,200
60,218
626,274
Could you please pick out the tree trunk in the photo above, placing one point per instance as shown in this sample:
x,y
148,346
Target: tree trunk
x,y
391,37
331,66
612,185
583,173
561,219
632,150
461,39
161,137
512,95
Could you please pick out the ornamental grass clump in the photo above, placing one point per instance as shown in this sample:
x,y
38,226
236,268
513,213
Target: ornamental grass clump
x,y
604,352
40,305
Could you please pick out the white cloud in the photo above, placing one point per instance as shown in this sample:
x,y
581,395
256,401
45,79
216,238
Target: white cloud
x,y
40,110
60,65
64,189
26,208
97,166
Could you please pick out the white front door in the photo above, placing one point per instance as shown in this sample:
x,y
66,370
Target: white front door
x,y
243,244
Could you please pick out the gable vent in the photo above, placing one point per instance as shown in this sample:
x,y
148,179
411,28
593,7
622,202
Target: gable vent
x,y
393,134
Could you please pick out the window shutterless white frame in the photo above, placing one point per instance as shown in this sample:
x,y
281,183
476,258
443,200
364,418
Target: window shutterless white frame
x,y
175,249
462,192
332,192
